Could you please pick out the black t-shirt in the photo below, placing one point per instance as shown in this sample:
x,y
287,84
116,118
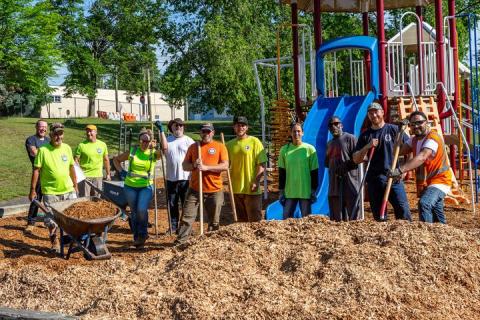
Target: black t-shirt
x,y
383,155
339,151
36,142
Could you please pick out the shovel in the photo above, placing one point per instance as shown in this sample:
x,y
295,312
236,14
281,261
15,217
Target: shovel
x,y
362,185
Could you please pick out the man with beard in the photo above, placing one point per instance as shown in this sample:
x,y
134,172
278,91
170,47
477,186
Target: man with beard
x,y
382,136
433,174
247,164
214,160
54,166
175,147
92,156
342,171
32,144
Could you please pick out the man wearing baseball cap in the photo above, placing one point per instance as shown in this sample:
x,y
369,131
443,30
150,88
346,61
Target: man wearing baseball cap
x,y
175,148
214,160
92,157
53,165
382,136
247,164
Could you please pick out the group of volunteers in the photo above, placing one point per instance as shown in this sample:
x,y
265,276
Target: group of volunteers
x,y
54,178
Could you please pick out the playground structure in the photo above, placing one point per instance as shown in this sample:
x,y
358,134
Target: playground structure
x,y
417,69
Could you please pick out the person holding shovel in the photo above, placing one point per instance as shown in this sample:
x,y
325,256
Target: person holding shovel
x,y
138,186
212,160
432,170
247,164
32,144
298,174
92,156
175,148
382,136
342,172
53,165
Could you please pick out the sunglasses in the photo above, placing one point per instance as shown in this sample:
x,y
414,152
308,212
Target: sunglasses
x,y
417,123
205,131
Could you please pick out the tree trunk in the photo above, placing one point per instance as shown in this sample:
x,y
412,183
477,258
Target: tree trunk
x,y
91,107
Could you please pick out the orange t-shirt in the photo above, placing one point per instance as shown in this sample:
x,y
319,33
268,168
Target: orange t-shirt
x,y
212,154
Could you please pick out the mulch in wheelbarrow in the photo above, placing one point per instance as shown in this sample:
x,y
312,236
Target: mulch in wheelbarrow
x,y
294,269
88,210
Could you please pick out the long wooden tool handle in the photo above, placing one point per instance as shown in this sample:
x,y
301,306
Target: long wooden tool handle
x,y
200,188
232,200
396,153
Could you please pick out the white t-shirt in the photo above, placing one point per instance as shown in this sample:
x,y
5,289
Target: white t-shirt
x,y
177,148
432,145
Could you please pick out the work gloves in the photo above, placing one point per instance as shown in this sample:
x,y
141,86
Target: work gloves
x,y
159,126
396,174
281,197
123,174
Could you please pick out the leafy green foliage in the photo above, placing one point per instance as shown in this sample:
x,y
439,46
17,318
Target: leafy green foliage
x,y
28,54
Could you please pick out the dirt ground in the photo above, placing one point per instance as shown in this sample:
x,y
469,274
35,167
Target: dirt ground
x,y
297,269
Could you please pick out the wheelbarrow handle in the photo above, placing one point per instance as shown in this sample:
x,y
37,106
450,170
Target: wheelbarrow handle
x,y
103,194
41,206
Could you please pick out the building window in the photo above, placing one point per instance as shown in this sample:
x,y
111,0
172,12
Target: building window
x,y
56,99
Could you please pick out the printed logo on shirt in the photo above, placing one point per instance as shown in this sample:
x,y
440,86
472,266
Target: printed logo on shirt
x,y
388,138
247,148
99,150
211,151
64,158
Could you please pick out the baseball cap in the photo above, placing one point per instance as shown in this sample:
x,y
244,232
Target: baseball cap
x,y
91,127
240,119
57,127
207,126
374,106
177,121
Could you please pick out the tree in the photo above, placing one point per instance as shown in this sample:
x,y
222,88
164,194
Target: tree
x,y
112,37
28,54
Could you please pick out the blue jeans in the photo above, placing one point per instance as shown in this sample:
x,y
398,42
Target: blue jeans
x,y
397,198
139,200
430,206
177,191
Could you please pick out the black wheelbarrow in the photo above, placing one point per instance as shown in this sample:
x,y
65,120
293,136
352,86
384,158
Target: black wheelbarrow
x,y
89,236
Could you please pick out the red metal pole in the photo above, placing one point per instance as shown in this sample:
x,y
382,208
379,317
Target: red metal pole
x,y
317,24
440,41
421,81
381,54
456,78
366,55
296,78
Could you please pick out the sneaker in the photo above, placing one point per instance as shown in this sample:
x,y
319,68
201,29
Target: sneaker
x,y
213,227
29,229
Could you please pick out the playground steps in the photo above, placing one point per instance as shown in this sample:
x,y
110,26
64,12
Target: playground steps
x,y
401,107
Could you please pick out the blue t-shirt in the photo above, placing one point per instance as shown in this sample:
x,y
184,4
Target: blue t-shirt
x,y
383,155
36,142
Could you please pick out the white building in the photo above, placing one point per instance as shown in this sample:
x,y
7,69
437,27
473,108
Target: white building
x,y
76,106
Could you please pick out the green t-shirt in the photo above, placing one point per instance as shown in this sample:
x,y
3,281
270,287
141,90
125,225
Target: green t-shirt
x,y
139,167
54,164
245,155
298,161
90,156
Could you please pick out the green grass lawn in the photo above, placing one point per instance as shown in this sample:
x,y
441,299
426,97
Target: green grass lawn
x,y
15,168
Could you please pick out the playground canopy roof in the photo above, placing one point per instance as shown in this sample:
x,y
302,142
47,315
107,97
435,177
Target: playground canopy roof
x,y
357,5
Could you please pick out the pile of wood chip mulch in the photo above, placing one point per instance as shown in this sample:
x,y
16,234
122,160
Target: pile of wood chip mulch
x,y
295,269
87,210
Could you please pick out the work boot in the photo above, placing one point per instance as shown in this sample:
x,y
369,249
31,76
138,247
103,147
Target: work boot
x,y
213,227
139,243
29,229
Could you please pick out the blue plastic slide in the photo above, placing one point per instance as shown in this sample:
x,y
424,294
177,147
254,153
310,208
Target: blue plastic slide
x,y
352,110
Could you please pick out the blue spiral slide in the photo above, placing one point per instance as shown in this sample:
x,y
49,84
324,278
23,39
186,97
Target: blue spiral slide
x,y
350,109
